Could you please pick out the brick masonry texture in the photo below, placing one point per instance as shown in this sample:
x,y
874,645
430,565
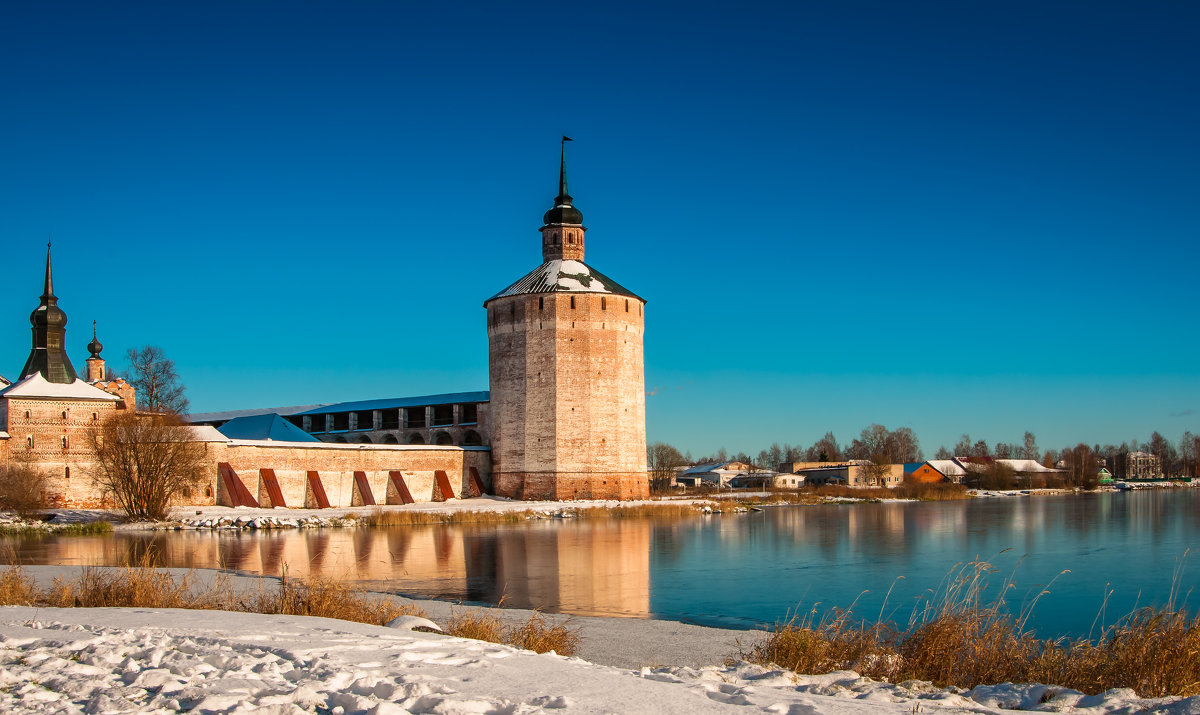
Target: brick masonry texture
x,y
568,401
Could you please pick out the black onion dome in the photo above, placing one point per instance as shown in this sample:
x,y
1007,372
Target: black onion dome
x,y
95,347
563,212
50,316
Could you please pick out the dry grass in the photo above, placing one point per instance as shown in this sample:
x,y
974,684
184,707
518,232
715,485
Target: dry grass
x,y
941,491
958,640
536,634
146,587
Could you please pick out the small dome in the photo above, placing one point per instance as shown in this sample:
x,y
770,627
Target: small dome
x,y
95,347
563,212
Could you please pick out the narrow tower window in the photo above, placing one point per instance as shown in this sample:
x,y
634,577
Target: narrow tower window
x,y
572,302
64,441
603,303
541,303
626,305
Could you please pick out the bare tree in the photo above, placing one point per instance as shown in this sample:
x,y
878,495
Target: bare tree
x,y
144,461
23,488
662,459
153,375
943,453
1031,448
876,470
825,449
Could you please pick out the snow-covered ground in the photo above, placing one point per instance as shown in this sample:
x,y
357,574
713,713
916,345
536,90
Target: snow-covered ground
x,y
145,660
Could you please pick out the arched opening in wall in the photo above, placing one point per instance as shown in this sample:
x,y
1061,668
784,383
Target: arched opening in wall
x,y
65,442
208,491
339,439
365,440
415,439
66,472
443,438
471,438
389,439
29,442
64,414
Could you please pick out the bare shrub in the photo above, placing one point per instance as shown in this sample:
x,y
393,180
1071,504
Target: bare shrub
x,y
541,636
328,598
23,489
536,634
145,460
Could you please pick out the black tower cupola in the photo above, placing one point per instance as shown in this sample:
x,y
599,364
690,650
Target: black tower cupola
x,y
48,356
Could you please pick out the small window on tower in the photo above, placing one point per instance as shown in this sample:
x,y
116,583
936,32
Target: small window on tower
x,y
572,302
603,303
541,303
64,441
66,472
26,414
29,442
95,416
64,414
626,305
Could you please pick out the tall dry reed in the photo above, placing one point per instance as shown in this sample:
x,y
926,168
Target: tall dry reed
x,y
956,638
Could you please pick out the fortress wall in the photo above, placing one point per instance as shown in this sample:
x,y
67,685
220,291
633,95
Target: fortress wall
x,y
336,465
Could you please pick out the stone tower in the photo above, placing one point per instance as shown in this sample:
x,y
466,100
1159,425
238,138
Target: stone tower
x,y
566,371
48,356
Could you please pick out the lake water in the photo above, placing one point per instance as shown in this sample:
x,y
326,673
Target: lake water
x,y
730,570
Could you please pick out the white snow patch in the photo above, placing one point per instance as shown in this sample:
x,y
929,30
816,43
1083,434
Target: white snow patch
x,y
162,660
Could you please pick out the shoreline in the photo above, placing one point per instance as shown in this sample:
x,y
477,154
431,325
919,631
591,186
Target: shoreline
x,y
223,517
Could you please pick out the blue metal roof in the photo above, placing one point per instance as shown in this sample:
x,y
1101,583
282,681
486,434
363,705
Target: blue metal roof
x,y
270,426
449,398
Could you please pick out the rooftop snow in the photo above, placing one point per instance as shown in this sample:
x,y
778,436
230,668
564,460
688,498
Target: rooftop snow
x,y
37,386
564,276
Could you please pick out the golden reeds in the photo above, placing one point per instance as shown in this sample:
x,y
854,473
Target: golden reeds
x,y
956,639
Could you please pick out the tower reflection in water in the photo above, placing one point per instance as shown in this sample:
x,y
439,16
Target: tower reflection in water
x,y
583,567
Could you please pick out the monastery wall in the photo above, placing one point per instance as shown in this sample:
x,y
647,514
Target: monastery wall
x,y
336,465
53,435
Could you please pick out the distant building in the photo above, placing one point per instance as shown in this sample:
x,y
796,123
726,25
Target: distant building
x,y
1142,465
851,473
718,474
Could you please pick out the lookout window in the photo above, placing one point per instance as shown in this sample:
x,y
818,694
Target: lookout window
x,y
468,414
66,472
603,303
414,417
95,416
64,441
626,305
572,302
64,414
26,414
541,303
29,442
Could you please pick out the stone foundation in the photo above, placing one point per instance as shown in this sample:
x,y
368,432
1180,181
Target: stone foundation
x,y
560,486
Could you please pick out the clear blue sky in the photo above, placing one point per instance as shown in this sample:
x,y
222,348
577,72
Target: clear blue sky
x,y
959,217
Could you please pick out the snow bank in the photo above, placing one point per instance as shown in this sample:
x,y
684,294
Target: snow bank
x,y
146,660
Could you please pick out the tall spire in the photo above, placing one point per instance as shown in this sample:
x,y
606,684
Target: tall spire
x,y
563,196
48,356
48,293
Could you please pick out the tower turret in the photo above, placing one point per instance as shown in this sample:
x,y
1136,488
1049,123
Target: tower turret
x,y
95,363
48,356
562,229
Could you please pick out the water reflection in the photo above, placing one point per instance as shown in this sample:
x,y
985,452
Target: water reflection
x,y
732,570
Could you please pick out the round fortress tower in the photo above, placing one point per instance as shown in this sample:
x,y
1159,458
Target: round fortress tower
x,y
566,371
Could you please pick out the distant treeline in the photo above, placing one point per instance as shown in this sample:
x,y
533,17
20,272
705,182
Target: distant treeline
x,y
883,446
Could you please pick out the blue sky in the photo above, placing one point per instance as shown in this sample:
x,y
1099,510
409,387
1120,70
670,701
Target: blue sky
x,y
958,217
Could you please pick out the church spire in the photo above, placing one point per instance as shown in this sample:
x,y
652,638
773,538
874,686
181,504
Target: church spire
x,y
562,232
48,356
